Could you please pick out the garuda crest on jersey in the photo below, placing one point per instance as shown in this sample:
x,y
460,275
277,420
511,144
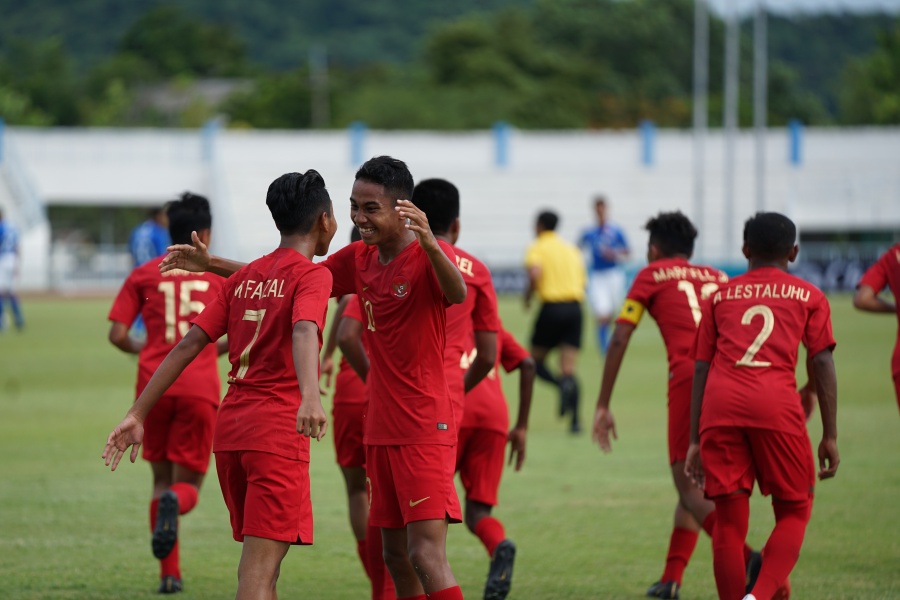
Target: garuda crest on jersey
x,y
400,287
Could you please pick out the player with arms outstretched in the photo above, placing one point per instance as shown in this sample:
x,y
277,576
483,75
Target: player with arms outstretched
x,y
885,273
404,280
179,429
273,311
747,422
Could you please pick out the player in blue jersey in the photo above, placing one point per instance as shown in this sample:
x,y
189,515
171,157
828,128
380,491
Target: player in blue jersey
x,y
9,267
606,246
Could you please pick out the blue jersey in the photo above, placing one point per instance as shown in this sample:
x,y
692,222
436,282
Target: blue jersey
x,y
601,240
148,240
9,239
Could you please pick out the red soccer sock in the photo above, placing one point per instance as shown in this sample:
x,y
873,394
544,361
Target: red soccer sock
x,y
168,565
681,546
187,496
382,584
451,593
709,525
729,534
783,546
490,531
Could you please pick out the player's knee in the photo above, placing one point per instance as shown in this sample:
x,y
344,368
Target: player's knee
x,y
426,558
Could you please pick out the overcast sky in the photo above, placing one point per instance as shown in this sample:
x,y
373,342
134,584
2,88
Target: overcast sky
x,y
783,6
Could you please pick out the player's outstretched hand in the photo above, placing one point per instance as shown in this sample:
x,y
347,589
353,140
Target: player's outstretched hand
x,y
604,425
130,432
829,459
417,222
187,257
693,466
517,447
311,419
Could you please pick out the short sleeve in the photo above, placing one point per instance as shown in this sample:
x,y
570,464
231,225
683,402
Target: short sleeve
x,y
818,335
622,239
214,318
705,341
511,352
352,310
533,256
484,315
127,304
310,301
876,277
342,265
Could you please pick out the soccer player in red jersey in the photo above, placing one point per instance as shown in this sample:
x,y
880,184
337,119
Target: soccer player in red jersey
x,y
884,273
747,423
348,417
180,426
404,280
480,455
273,311
477,315
670,288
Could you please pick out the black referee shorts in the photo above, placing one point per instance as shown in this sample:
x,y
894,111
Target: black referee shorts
x,y
558,323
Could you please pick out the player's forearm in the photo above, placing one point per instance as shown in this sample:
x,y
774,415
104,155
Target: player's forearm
x,y
305,352
701,372
826,388
168,371
331,342
485,359
868,300
449,278
614,355
223,267
527,372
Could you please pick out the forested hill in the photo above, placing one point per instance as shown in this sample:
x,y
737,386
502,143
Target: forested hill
x,y
458,64
277,33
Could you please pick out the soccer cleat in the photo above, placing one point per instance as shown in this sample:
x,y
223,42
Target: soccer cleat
x,y
499,579
169,585
754,564
165,534
664,589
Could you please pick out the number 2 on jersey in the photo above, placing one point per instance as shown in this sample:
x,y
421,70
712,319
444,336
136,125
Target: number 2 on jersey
x,y
767,328
244,361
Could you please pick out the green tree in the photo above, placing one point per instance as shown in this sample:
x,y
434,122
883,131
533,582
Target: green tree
x,y
871,90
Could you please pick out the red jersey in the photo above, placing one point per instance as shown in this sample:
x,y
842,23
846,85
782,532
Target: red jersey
x,y
258,308
671,290
348,387
750,332
167,302
477,313
404,313
886,272
485,403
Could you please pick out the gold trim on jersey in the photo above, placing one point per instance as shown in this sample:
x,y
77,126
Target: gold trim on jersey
x,y
632,311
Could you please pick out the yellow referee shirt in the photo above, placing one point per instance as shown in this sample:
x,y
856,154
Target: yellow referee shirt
x,y
563,275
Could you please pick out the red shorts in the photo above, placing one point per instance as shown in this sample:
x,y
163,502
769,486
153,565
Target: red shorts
x,y
347,425
480,455
411,483
267,496
179,429
680,414
734,457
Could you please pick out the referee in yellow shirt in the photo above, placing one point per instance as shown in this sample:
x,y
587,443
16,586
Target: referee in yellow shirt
x,y
556,273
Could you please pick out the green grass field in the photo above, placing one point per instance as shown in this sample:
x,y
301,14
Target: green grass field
x,y
587,525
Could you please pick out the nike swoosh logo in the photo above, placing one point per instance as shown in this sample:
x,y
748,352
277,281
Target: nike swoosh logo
x,y
365,287
417,502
